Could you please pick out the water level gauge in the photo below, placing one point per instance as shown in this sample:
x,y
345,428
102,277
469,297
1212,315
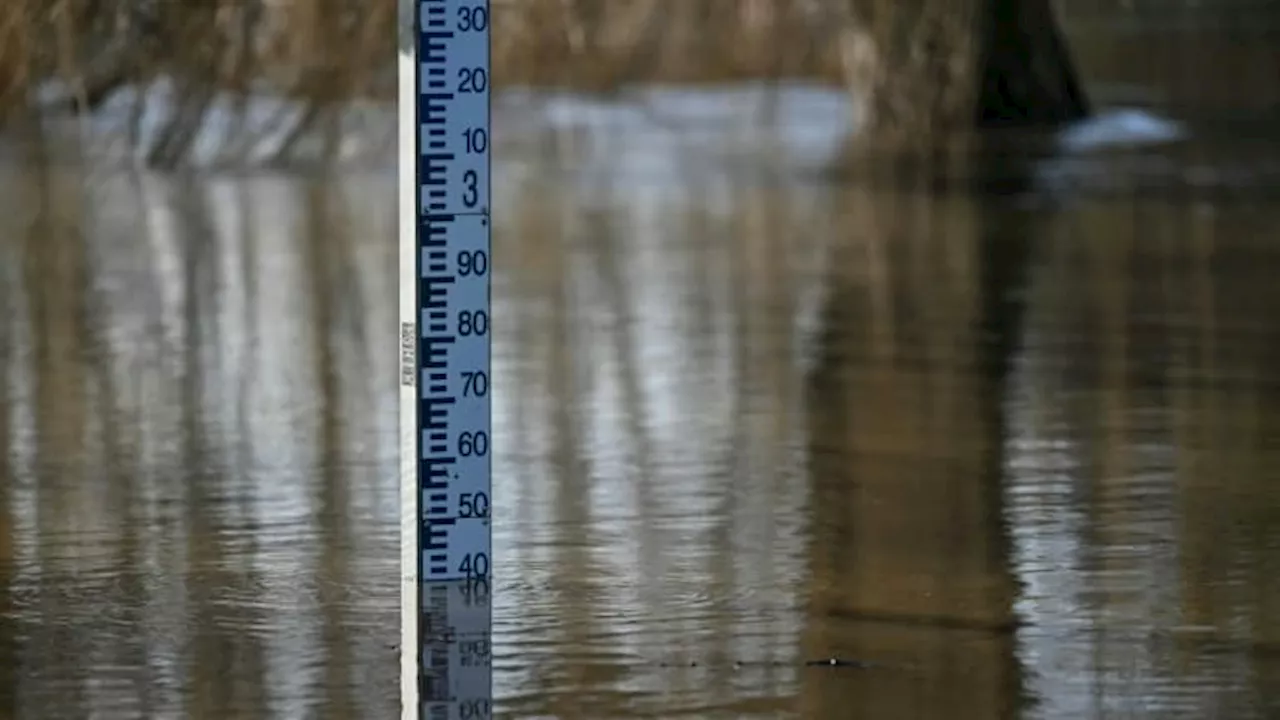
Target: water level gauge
x,y
445,417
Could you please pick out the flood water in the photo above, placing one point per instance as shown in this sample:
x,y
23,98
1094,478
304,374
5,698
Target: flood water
x,y
1018,450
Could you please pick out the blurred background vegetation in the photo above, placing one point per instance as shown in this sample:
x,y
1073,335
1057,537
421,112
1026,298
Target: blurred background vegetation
x,y
321,49
73,55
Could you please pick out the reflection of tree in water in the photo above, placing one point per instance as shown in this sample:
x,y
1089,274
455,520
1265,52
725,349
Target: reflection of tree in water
x,y
665,355
54,283
563,683
9,647
324,246
1222,395
219,661
580,592
9,642
910,555
1155,350
130,430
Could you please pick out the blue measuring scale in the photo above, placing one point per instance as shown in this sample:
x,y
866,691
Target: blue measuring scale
x,y
445,412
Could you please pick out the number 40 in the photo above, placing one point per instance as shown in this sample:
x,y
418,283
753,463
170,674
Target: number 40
x,y
474,565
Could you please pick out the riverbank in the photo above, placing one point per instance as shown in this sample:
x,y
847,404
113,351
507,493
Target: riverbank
x,y
557,59
289,47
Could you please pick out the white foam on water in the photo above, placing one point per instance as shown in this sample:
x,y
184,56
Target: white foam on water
x,y
1118,127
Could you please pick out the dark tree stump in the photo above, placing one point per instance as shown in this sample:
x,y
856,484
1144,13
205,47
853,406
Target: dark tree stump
x,y
1028,77
931,72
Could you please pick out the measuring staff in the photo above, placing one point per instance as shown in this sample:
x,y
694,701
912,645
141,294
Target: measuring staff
x,y
445,413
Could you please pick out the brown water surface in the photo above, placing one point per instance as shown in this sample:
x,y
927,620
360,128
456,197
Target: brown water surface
x,y
1023,456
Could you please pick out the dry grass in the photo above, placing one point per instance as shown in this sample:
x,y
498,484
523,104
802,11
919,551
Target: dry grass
x,y
330,49
311,47
604,45
325,52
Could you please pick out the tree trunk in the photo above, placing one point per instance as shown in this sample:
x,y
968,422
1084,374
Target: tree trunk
x,y
1028,77
929,72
